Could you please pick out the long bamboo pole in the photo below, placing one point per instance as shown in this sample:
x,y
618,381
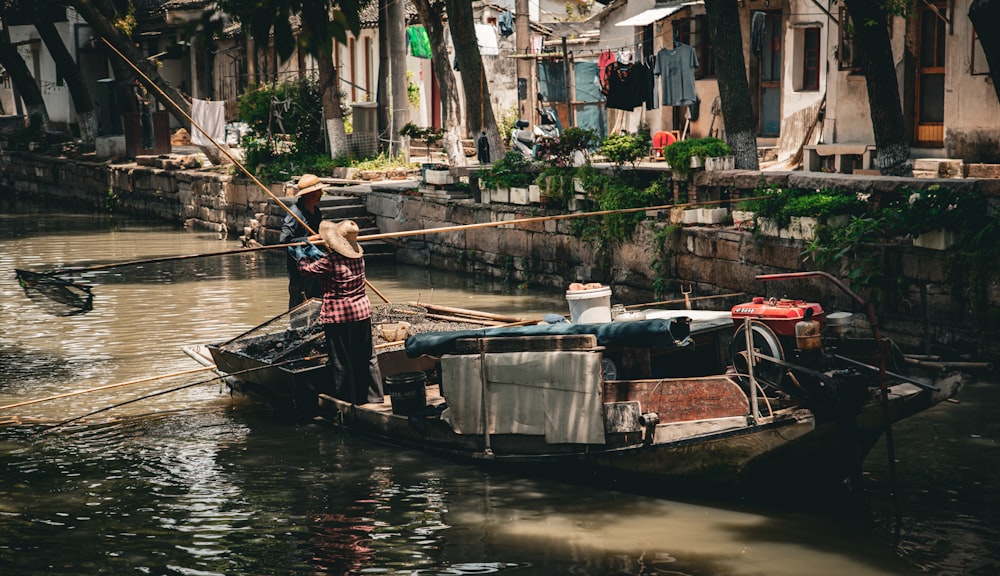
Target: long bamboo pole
x,y
107,387
536,219
226,152
176,389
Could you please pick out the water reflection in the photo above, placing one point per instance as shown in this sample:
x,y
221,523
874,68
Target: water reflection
x,y
198,482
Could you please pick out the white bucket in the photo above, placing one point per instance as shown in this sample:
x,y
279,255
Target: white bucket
x,y
589,306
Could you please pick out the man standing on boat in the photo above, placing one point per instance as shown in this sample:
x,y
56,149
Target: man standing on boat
x,y
306,208
346,312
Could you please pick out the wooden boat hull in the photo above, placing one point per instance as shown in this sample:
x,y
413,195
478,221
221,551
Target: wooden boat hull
x,y
790,447
667,414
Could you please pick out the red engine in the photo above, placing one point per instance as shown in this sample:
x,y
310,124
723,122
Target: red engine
x,y
778,315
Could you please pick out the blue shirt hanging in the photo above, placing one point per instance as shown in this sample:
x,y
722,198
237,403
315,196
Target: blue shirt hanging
x,y
505,23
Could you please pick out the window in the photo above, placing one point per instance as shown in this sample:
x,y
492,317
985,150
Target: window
x,y
848,50
694,33
810,58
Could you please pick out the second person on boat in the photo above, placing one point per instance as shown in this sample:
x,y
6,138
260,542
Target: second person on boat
x,y
346,313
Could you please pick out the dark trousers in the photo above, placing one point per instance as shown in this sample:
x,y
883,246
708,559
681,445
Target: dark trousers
x,y
353,363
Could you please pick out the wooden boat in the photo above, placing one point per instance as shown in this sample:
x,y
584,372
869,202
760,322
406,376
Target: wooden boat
x,y
670,398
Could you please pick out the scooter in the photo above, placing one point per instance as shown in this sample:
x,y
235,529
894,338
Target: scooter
x,y
523,140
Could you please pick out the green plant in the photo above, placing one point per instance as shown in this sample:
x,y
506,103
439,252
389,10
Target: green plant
x,y
679,154
780,205
110,199
560,150
556,183
664,247
291,112
935,207
511,171
431,136
412,90
621,149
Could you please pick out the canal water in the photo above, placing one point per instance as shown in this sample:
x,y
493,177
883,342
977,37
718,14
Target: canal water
x,y
196,482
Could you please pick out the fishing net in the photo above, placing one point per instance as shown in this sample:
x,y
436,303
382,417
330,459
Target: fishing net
x,y
387,313
296,333
55,295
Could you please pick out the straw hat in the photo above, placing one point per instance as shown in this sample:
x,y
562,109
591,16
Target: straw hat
x,y
308,183
341,237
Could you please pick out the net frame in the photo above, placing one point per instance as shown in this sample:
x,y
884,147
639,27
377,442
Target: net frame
x,y
390,313
54,294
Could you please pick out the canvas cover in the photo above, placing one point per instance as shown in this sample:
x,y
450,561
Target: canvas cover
x,y
556,394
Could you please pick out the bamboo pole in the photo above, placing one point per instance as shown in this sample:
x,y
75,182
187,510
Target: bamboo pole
x,y
107,387
467,312
227,154
685,300
535,219
175,389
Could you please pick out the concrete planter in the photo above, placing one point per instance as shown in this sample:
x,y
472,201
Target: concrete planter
x,y
712,215
743,219
720,163
800,228
534,194
439,177
690,216
939,239
500,195
519,195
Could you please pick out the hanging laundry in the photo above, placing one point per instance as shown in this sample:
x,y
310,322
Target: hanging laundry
x,y
646,82
606,58
420,43
505,23
551,80
486,35
757,24
211,116
676,71
625,88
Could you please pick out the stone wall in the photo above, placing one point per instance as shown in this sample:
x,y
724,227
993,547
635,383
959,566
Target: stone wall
x,y
199,199
707,260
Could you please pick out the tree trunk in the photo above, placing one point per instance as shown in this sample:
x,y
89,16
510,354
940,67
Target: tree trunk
x,y
86,115
400,115
98,13
984,15
24,84
332,113
382,95
734,90
478,108
431,15
891,145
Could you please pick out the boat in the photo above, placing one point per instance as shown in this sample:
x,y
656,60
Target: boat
x,y
770,390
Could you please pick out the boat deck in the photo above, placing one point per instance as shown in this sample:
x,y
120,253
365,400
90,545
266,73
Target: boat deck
x,y
431,391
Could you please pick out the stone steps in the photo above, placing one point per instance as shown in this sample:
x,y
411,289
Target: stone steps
x,y
266,228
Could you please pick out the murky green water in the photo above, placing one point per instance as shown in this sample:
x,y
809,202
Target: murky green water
x,y
197,482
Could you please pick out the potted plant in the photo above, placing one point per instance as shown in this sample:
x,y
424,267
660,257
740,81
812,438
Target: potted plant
x,y
935,217
511,171
690,153
430,136
797,213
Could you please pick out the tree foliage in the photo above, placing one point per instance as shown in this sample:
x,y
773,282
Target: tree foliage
x,y
321,22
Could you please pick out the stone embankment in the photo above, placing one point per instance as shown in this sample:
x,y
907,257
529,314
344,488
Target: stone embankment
x,y
926,309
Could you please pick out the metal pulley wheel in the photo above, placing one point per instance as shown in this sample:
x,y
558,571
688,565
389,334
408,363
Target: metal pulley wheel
x,y
764,341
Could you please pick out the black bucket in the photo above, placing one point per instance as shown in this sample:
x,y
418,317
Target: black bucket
x,y
407,392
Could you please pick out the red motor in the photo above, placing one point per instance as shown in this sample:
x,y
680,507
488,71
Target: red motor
x,y
779,315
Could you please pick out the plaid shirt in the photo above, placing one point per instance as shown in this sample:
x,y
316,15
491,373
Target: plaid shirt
x,y
343,282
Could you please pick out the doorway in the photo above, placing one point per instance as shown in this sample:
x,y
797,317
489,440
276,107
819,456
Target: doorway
x,y
929,104
769,87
